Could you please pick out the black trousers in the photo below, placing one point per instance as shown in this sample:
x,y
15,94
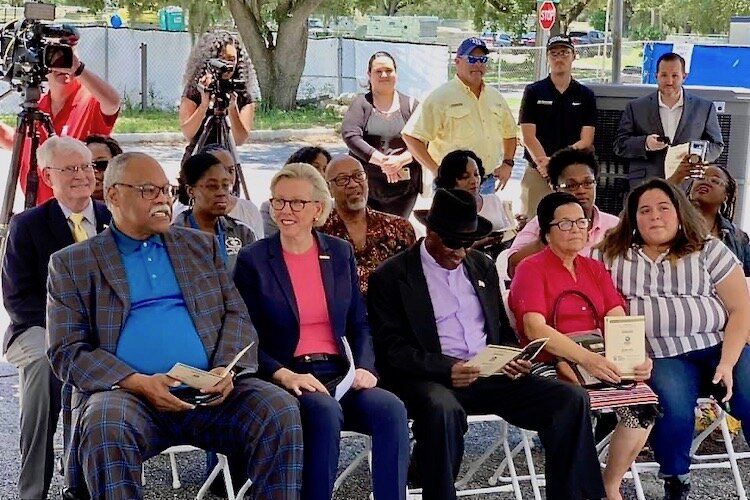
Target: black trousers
x,y
558,411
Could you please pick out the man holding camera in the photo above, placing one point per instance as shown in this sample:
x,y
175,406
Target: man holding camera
x,y
78,102
669,116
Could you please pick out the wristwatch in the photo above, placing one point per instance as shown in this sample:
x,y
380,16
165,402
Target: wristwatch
x,y
509,162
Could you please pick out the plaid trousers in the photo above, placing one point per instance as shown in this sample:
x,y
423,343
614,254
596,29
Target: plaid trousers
x,y
257,425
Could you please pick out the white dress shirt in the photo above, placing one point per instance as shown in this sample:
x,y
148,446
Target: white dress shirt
x,y
670,117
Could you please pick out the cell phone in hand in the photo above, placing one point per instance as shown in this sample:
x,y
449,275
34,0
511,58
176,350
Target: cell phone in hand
x,y
719,392
194,396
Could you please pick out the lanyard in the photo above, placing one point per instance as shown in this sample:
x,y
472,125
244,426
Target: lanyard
x,y
219,236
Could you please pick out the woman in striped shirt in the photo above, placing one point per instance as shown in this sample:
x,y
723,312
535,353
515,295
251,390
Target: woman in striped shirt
x,y
692,291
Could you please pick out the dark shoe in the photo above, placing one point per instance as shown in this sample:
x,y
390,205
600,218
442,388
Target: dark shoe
x,y
74,494
412,474
674,489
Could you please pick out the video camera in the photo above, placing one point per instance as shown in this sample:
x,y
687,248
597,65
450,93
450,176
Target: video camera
x,y
219,69
30,48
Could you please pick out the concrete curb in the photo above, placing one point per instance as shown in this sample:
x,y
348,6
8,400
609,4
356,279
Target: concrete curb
x,y
282,135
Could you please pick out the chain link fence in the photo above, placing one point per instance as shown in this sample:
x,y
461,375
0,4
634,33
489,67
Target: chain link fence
x,y
514,67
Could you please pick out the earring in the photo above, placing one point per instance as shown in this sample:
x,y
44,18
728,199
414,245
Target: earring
x,y
315,219
191,202
724,206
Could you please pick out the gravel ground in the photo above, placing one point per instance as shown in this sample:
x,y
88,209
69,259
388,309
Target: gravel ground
x,y
713,484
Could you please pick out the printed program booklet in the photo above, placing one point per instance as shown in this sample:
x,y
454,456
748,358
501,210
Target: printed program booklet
x,y
201,379
493,358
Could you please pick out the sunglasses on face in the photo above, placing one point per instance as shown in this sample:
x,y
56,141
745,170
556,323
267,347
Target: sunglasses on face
x,y
100,165
455,243
476,59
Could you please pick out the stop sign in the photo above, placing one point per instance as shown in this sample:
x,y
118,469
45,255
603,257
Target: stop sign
x,y
547,13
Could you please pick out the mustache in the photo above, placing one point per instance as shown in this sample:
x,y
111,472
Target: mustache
x,y
160,208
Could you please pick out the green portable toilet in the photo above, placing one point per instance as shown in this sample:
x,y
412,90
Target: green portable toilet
x,y
171,19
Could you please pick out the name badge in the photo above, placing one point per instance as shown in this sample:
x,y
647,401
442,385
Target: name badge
x,y
547,103
480,283
576,104
324,257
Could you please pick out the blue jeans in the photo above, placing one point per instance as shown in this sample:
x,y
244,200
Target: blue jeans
x,y
679,381
375,412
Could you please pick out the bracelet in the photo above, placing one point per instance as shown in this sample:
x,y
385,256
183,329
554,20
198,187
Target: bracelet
x,y
80,69
509,162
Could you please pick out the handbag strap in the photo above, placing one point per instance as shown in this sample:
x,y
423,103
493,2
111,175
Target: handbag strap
x,y
582,296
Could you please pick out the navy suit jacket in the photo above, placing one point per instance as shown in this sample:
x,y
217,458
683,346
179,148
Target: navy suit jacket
x,y
641,118
34,235
263,281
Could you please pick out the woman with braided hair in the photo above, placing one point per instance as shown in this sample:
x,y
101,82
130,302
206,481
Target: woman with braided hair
x,y
197,99
715,196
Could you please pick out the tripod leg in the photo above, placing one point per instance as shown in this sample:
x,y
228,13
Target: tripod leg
x,y
13,173
228,141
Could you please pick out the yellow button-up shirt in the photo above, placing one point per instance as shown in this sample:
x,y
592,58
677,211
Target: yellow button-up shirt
x,y
451,117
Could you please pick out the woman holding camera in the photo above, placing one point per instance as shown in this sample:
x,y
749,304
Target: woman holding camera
x,y
218,55
371,130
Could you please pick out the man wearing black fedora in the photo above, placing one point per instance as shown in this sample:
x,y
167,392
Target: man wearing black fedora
x,y
432,308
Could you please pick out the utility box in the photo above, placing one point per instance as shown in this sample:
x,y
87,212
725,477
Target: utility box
x,y
739,30
171,19
733,109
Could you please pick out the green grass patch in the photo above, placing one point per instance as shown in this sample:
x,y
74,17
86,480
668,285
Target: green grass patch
x,y
154,120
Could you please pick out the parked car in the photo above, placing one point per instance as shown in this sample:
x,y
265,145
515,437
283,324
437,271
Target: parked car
x,y
528,39
503,40
586,37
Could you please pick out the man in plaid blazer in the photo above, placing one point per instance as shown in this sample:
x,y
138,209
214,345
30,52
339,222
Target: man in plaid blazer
x,y
122,308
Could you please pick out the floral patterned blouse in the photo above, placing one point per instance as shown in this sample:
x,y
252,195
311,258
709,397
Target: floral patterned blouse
x,y
386,236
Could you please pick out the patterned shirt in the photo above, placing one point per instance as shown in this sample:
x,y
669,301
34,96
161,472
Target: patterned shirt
x,y
386,236
683,312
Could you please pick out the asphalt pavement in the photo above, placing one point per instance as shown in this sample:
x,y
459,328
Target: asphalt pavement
x,y
260,162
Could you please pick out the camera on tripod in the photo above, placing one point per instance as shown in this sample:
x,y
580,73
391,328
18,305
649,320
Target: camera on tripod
x,y
220,85
30,47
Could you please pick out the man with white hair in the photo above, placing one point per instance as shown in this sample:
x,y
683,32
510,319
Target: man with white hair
x,y
126,306
374,235
34,235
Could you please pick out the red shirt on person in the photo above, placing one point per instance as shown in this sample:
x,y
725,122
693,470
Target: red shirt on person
x,y
541,278
80,116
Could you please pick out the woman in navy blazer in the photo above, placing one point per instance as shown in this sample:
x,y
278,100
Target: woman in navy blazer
x,y
302,292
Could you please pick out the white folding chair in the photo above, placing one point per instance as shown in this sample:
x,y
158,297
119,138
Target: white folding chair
x,y
513,479
221,467
727,460
366,453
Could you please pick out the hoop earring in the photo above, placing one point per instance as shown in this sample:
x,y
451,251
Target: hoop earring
x,y
191,202
724,206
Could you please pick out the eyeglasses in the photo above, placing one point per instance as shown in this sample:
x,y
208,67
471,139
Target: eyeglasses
x,y
213,187
573,186
74,169
567,225
295,205
343,180
101,165
455,243
559,53
151,192
476,59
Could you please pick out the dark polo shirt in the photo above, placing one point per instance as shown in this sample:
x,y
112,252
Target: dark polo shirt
x,y
559,117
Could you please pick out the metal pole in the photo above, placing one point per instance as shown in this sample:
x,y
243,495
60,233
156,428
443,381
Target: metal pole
x,y
616,40
540,67
340,66
144,77
106,53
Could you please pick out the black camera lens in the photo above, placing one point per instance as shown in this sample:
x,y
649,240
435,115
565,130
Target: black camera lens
x,y
58,56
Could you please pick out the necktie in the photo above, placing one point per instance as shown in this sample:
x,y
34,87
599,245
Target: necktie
x,y
79,233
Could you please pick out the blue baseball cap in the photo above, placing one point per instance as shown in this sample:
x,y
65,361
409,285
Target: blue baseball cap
x,y
470,44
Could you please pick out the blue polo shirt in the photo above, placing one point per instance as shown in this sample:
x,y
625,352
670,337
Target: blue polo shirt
x,y
158,331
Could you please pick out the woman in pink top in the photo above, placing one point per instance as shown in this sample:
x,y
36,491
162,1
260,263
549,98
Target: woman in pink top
x,y
553,274
301,289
